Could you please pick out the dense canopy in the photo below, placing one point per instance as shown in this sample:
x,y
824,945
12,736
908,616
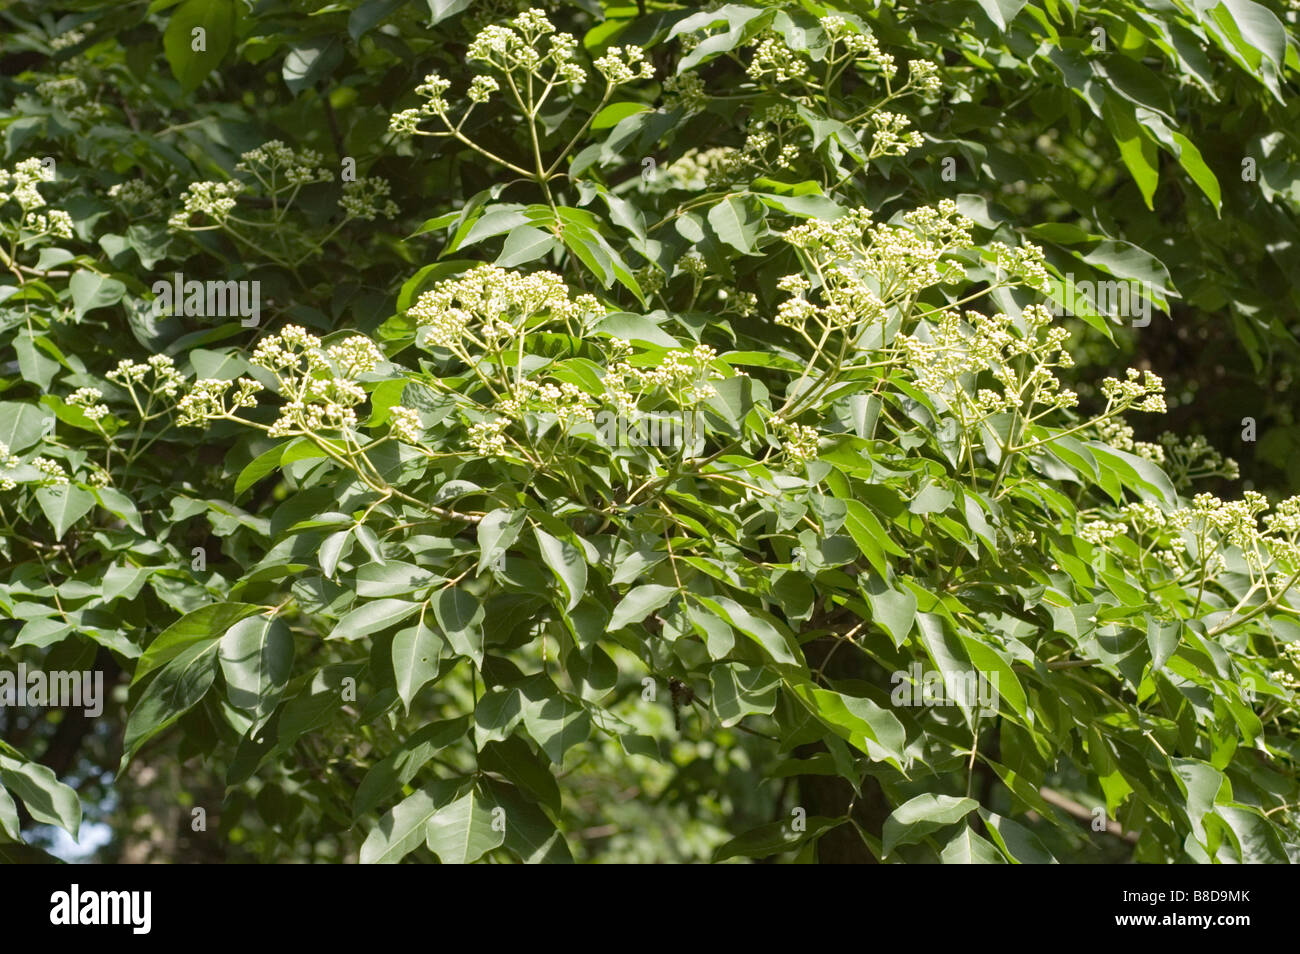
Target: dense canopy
x,y
457,431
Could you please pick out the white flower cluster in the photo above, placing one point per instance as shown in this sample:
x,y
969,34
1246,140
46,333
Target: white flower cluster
x,y
1236,520
55,222
274,164
367,197
136,192
568,402
900,260
166,380
840,31
799,441
488,437
1025,262
1192,458
1211,524
355,356
518,47
319,385
1099,531
61,91
90,402
8,461
206,400
890,138
404,123
488,305
405,424
924,75
20,185
212,199
1144,515
773,58
958,348
699,170
52,472
482,87
620,65
1282,677
1143,391
71,37
684,375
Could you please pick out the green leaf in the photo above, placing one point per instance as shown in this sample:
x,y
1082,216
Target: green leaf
x,y
525,244
177,688
931,499
755,627
467,829
310,62
918,816
460,615
859,721
440,10
49,800
968,848
870,536
741,21
373,617
394,578
1017,842
390,773
63,505
992,668
497,531
120,506
333,549
1257,841
1002,12
1162,639
739,691
892,610
639,603
256,657
34,366
566,562
803,206
554,722
208,623
91,290
257,468
1136,147
615,113
216,20
369,14
738,222
21,425
636,328
416,652
774,838
9,824
403,829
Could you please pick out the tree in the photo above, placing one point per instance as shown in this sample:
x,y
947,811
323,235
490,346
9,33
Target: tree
x,y
612,421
